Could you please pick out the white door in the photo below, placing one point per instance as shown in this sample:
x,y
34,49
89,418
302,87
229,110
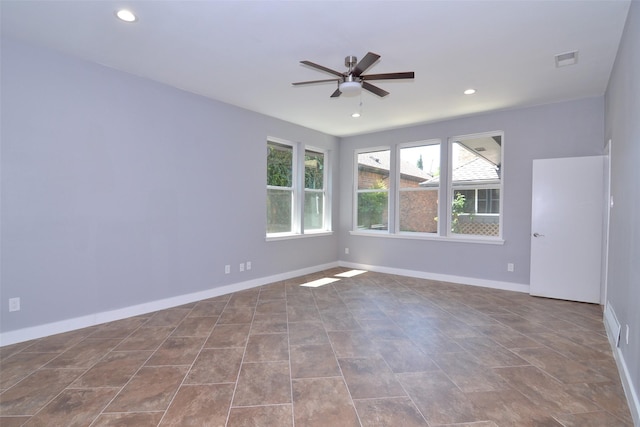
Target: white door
x,y
566,228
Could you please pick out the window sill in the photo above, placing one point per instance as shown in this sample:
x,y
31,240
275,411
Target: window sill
x,y
435,237
289,236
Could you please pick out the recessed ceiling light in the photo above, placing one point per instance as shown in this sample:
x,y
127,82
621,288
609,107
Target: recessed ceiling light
x,y
126,15
355,115
469,91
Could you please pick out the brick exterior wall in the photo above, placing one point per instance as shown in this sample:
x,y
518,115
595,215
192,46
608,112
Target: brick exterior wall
x,y
418,211
369,178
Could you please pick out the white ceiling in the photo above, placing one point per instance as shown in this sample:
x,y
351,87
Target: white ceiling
x,y
247,53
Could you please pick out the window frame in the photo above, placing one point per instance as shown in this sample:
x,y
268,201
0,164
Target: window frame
x,y
298,192
358,191
445,193
398,177
292,189
326,206
450,190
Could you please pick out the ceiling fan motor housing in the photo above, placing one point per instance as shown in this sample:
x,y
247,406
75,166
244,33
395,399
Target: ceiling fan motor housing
x,y
350,62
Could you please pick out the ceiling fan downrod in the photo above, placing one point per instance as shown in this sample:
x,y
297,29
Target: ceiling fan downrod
x,y
350,62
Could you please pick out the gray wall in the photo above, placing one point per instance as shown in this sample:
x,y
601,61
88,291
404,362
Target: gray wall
x,y
559,130
623,127
118,191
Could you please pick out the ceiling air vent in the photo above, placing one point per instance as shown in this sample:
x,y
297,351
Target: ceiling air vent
x,y
568,58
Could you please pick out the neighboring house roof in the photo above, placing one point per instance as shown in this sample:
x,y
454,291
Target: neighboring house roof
x,y
477,170
382,160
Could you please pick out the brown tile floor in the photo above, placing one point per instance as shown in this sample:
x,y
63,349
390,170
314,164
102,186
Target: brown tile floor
x,y
371,350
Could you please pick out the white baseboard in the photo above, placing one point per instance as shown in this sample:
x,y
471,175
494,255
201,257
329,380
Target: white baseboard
x,y
612,327
494,284
34,332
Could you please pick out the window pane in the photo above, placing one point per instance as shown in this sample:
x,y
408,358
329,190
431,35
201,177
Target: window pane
x,y
279,165
476,165
373,170
469,196
313,170
313,200
373,174
419,183
313,210
279,210
483,201
494,201
373,210
419,165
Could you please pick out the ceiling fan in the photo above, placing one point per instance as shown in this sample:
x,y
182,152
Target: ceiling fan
x,y
351,82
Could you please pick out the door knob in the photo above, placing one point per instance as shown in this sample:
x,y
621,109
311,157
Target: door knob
x,y
538,235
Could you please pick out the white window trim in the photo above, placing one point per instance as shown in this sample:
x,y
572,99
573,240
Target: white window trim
x,y
435,141
445,190
326,185
357,191
450,190
457,238
298,192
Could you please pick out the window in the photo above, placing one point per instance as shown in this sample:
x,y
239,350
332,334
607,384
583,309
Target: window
x,y
399,190
476,163
280,187
314,193
418,198
480,200
372,196
291,211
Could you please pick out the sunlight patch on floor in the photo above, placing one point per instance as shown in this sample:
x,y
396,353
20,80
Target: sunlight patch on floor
x,y
350,273
319,282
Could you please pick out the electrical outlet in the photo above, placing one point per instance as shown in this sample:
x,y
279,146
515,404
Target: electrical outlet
x,y
242,266
248,265
346,251
510,267
227,269
14,304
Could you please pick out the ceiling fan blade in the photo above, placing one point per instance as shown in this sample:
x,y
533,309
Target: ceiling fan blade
x,y
374,89
322,68
336,94
314,81
389,76
365,63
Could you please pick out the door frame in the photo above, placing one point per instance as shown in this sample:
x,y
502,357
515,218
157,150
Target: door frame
x,y
606,220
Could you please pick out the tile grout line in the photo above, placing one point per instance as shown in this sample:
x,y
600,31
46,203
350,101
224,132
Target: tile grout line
x,y
204,342
136,372
79,376
286,311
244,353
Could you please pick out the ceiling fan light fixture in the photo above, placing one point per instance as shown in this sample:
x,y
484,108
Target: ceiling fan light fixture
x,y
350,88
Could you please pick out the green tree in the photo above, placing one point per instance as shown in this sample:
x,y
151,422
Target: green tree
x,y
372,206
279,174
456,209
279,165
313,170
420,164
